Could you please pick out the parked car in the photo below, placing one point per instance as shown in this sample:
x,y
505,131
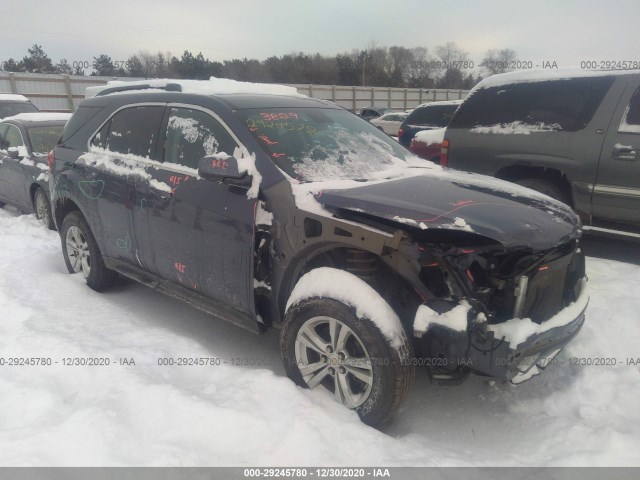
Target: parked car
x,y
573,135
11,104
428,143
369,113
278,211
25,141
389,123
426,116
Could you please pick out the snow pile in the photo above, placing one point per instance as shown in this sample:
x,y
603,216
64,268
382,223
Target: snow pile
x,y
430,137
225,415
213,86
41,117
247,163
455,319
517,128
347,288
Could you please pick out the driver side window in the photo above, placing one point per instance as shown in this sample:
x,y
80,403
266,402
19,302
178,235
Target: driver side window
x,y
193,134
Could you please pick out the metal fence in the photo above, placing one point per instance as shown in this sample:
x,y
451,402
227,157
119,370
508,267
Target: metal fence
x,y
63,93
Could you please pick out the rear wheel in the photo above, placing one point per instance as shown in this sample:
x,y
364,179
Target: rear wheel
x,y
42,208
547,187
81,252
325,345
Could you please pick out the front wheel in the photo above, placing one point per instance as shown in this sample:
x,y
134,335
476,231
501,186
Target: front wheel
x,y
325,345
81,252
42,208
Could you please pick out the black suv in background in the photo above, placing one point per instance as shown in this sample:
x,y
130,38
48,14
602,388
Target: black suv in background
x,y
427,116
573,135
25,141
290,212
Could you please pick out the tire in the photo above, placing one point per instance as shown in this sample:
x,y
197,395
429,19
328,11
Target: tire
x,y
547,187
42,207
81,252
388,374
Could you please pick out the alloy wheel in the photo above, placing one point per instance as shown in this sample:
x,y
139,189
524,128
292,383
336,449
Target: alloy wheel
x,y
329,354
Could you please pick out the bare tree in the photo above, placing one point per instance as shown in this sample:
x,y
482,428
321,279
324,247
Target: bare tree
x,y
498,61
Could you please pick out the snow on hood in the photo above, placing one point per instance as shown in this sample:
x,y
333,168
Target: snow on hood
x,y
452,200
213,86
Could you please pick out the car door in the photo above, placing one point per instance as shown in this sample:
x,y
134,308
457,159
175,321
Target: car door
x,y
13,176
119,155
200,232
616,193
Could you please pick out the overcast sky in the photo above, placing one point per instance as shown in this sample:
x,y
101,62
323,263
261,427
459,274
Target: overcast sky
x,y
566,31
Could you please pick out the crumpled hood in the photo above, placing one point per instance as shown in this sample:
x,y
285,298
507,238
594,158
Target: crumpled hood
x,y
507,213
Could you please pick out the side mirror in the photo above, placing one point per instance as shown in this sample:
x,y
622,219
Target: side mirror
x,y
14,152
216,167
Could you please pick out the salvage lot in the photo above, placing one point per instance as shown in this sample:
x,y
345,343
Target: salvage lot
x,y
148,414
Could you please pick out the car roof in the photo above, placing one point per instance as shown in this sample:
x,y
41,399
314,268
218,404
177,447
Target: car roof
x,y
235,101
542,75
13,97
37,119
440,103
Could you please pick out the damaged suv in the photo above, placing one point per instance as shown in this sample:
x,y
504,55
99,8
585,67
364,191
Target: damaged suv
x,y
280,211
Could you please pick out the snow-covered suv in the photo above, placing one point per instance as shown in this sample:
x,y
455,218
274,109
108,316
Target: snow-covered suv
x,y
277,210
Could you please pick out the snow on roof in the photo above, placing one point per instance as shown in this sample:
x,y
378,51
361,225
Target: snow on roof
x,y
441,102
530,76
40,117
12,97
213,86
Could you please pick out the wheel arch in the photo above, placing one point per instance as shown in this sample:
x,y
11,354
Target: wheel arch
x,y
513,173
335,254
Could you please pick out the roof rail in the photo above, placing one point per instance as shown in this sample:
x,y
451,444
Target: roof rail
x,y
169,87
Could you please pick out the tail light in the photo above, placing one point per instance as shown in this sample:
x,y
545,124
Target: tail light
x,y
50,159
444,152
400,133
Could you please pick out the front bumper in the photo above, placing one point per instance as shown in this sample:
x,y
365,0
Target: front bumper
x,y
515,350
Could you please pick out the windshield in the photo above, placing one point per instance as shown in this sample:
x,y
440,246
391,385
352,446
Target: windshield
x,y
43,139
317,144
14,108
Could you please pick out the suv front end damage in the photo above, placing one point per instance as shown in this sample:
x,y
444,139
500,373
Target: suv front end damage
x,y
501,314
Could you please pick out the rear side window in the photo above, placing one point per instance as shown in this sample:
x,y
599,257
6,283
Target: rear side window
x,y
133,131
79,118
432,116
193,134
542,106
631,120
43,139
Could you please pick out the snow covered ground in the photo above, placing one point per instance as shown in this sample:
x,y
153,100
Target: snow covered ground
x,y
147,414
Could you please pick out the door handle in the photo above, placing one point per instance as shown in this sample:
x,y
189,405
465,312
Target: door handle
x,y
624,153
